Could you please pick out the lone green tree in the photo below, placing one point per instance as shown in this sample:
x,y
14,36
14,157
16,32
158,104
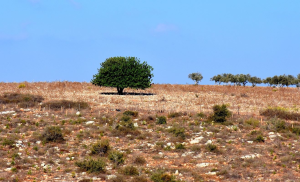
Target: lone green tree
x,y
123,72
196,77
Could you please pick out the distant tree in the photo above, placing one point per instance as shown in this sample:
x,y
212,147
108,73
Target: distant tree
x,y
243,79
297,81
291,80
196,77
268,81
233,79
275,80
255,80
216,79
123,72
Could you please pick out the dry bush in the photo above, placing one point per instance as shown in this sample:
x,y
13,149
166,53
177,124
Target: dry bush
x,y
24,100
66,104
280,113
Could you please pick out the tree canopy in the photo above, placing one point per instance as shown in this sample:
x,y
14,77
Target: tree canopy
x,y
196,77
123,72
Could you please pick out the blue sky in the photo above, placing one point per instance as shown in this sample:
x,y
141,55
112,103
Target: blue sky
x,y
66,40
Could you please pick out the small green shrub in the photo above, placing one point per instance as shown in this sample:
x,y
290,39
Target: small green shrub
x,y
174,115
211,147
259,139
277,125
92,165
22,85
100,147
140,160
8,142
178,132
161,176
52,134
126,118
296,130
220,113
131,113
161,120
253,122
116,156
196,148
130,170
201,115
179,146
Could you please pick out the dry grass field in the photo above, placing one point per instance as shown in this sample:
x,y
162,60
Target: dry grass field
x,y
48,130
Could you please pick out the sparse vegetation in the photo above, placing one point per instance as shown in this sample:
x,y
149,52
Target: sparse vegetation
x,y
101,147
131,113
246,146
161,120
52,134
92,165
116,156
281,113
65,104
221,113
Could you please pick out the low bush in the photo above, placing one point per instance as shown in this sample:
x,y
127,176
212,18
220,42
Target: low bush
x,y
139,160
161,120
281,113
220,113
211,147
101,147
125,118
179,146
116,156
130,170
174,114
65,104
253,122
139,179
24,100
52,134
131,113
201,115
92,165
178,132
196,148
8,142
161,176
259,139
296,130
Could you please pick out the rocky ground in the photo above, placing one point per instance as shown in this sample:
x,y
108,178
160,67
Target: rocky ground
x,y
139,146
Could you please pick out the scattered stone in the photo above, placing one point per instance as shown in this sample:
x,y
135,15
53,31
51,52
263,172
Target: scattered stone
x,y
250,156
135,125
203,164
111,176
89,122
211,173
7,169
78,113
7,112
196,140
250,141
208,142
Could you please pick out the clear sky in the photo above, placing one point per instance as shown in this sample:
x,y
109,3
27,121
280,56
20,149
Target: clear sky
x,y
66,40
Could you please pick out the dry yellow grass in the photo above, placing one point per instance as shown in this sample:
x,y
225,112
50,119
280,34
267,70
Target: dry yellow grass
x,y
167,98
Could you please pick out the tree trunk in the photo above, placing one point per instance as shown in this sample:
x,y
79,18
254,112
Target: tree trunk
x,y
120,90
